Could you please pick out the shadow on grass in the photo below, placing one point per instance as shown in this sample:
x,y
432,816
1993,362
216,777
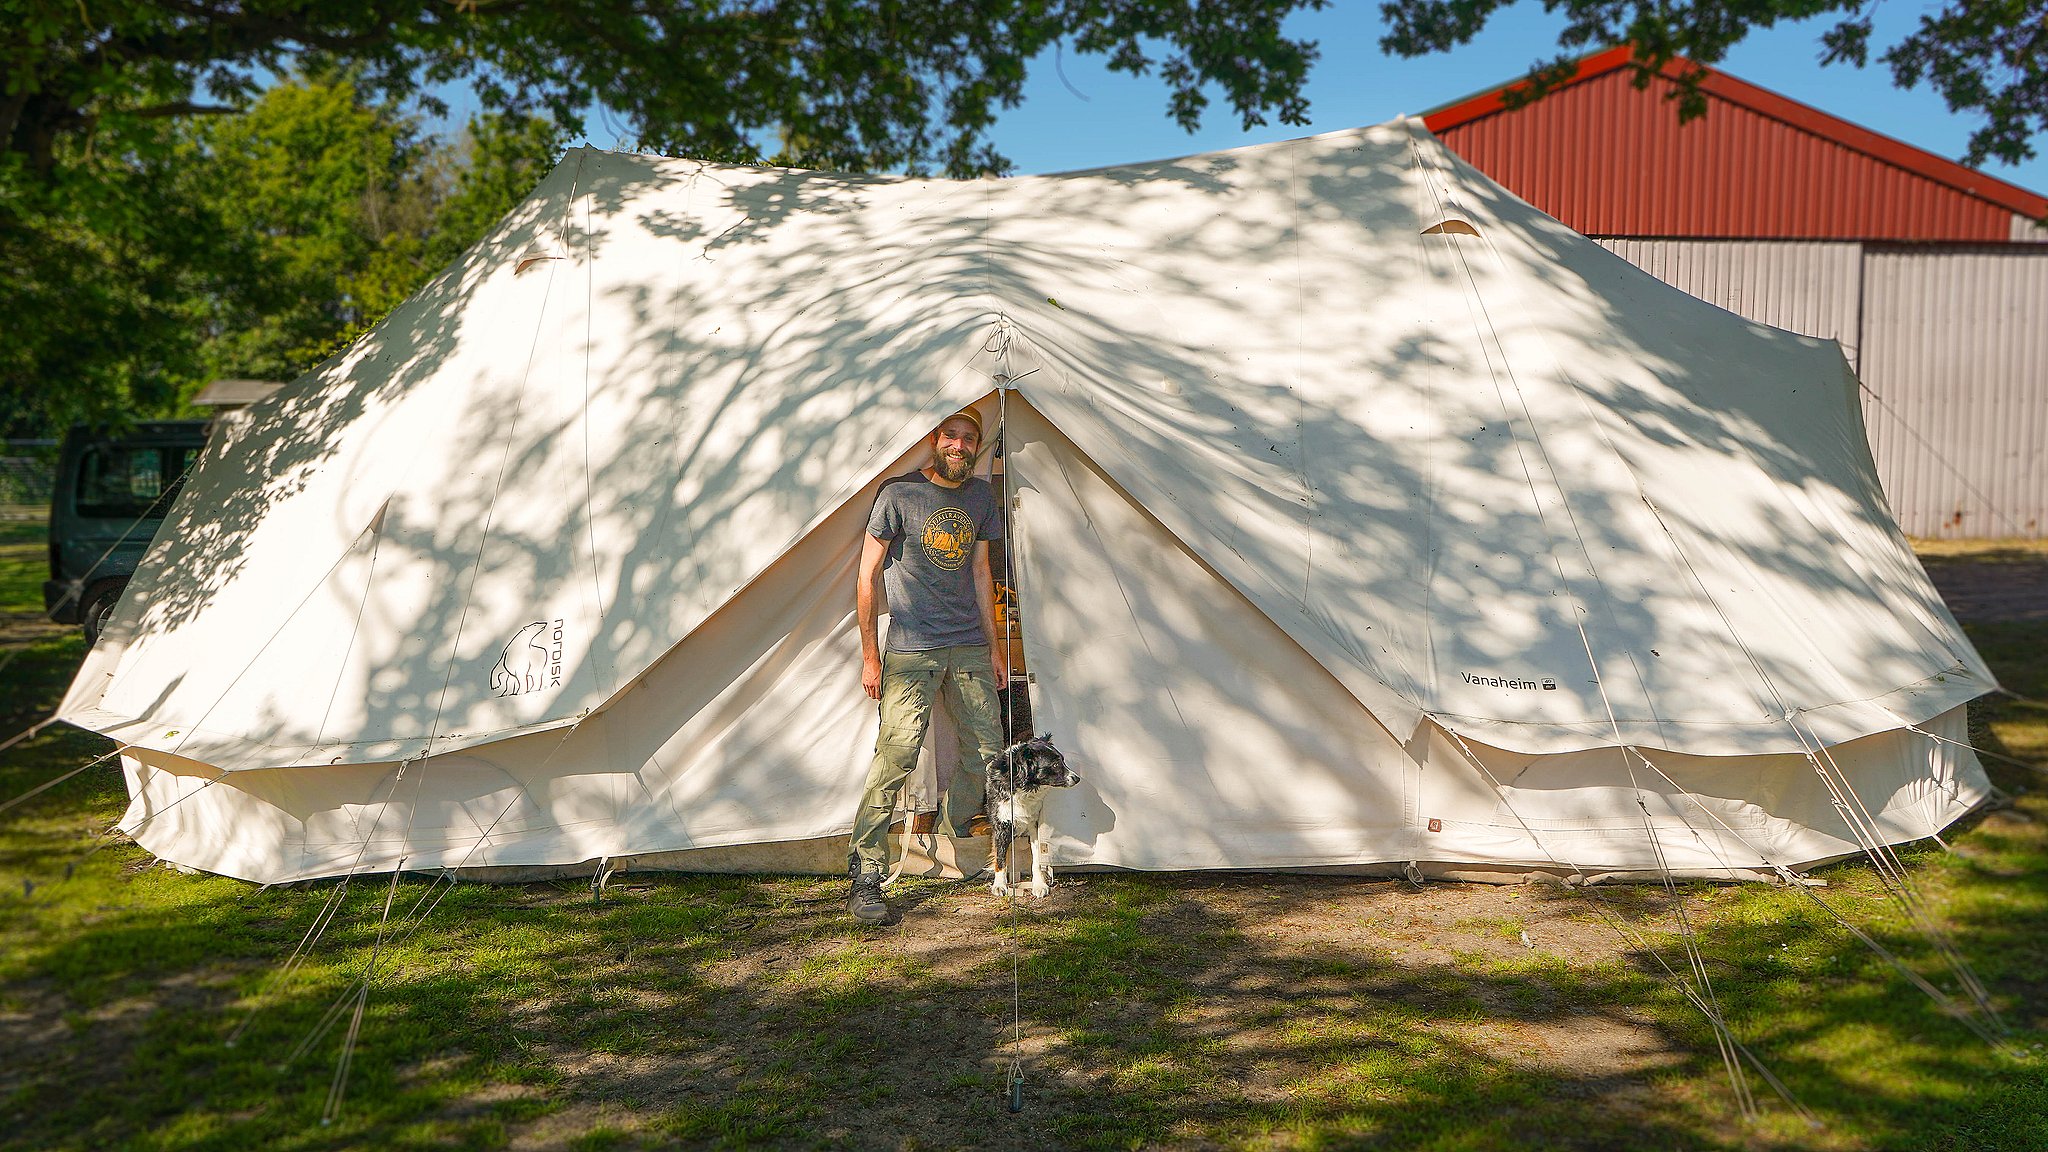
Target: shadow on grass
x,y
1153,1011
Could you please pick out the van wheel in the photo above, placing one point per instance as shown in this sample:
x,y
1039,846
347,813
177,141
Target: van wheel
x,y
99,605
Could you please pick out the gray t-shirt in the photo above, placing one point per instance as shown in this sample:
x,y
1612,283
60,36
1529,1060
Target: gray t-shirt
x,y
931,531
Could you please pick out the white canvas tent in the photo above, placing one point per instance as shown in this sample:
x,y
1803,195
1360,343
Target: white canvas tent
x,y
1363,515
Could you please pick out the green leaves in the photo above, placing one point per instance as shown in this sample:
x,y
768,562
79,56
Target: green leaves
x,y
1990,57
331,210
100,263
154,240
250,246
867,84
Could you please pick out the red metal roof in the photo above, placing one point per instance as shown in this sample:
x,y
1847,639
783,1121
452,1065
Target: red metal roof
x,y
1611,160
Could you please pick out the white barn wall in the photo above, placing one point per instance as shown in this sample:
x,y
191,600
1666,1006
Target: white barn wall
x,y
1809,287
1951,342
1957,347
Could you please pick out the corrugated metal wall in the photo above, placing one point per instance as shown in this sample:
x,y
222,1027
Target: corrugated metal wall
x,y
1956,347
1950,341
1811,287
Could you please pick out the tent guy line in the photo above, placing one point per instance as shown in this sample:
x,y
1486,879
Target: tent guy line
x,y
1704,997
39,789
316,931
1014,1086
1998,756
78,586
1700,991
357,992
360,992
490,511
376,530
104,836
1731,1048
1334,455
339,1085
28,733
1178,411
1898,880
1988,1028
1988,1031
1592,420
610,671
1847,800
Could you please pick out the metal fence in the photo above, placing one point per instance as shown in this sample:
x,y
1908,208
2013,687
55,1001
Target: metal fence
x,y
28,470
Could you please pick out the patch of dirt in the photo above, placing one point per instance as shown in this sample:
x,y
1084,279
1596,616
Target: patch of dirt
x,y
45,1035
902,1036
1992,584
1268,974
1255,959
571,1127
1596,1046
29,628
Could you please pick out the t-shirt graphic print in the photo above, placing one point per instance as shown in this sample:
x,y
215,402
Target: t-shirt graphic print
x,y
931,531
948,538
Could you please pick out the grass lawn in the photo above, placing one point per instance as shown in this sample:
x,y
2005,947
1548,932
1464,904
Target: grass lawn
x,y
1196,1011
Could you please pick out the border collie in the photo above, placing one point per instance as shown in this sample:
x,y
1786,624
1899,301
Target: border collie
x,y
1017,778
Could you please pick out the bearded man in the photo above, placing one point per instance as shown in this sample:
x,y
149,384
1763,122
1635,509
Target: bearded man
x,y
927,540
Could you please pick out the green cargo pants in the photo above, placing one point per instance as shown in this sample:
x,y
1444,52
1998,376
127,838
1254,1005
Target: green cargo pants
x,y
967,678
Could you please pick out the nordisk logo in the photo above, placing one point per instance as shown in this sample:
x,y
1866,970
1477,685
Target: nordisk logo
x,y
531,661
1519,685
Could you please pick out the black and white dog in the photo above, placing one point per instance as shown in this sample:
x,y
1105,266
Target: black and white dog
x,y
1017,779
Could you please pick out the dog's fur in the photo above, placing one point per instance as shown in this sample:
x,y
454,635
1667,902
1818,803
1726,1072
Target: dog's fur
x,y
1016,780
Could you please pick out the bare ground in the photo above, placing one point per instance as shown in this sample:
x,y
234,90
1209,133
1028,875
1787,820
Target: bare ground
x,y
1287,942
18,628
1255,950
1255,957
1265,975
1996,583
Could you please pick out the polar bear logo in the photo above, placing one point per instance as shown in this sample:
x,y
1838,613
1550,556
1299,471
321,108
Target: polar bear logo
x,y
523,665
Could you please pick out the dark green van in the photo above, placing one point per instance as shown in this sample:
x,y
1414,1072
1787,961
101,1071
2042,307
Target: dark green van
x,y
110,496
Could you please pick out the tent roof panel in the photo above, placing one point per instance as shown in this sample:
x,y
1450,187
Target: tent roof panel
x,y
1449,463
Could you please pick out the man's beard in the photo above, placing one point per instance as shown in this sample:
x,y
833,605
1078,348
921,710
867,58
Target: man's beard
x,y
953,471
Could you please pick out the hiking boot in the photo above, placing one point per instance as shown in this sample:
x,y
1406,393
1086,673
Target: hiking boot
x,y
864,900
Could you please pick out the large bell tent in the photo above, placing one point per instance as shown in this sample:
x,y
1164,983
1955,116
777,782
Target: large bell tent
x,y
1363,517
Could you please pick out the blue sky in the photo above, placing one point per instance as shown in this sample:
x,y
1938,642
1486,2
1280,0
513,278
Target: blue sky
x,y
1077,114
1124,119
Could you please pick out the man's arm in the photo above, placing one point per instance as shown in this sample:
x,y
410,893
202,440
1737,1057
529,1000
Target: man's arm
x,y
985,597
873,550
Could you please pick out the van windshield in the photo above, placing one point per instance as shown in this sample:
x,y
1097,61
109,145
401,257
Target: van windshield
x,y
130,482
